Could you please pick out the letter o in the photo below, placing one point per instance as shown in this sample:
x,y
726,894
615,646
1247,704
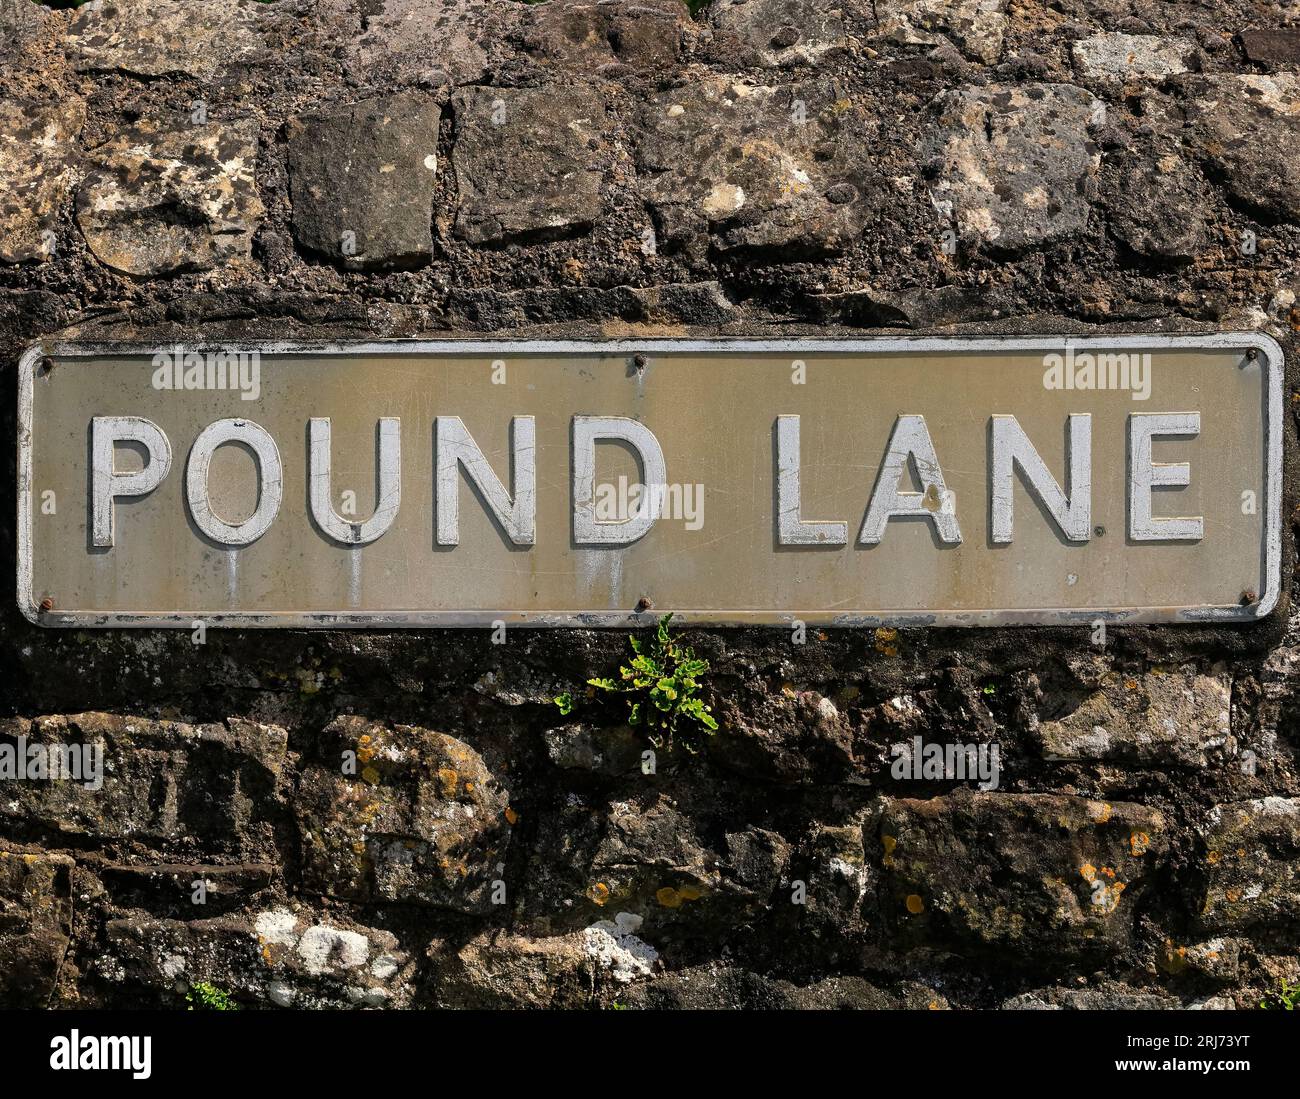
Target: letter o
x,y
270,487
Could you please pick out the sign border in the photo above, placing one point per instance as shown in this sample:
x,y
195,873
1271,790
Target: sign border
x,y
1273,380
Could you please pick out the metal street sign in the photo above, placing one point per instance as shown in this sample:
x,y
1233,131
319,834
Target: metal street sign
x,y
833,482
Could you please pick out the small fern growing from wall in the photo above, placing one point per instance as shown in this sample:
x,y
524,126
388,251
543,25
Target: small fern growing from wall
x,y
203,996
659,688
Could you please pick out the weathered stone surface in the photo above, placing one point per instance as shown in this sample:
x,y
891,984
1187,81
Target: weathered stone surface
x,y
35,924
1014,166
362,180
756,167
977,27
157,201
729,987
512,971
581,747
779,32
1216,959
421,821
528,161
1157,197
795,737
1275,45
1139,56
164,783
20,22
157,37
652,859
276,957
434,41
591,35
1249,127
1251,864
1171,719
1110,997
1030,873
37,159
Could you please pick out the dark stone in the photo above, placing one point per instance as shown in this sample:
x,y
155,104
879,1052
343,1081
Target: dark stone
x,y
528,161
1272,45
362,180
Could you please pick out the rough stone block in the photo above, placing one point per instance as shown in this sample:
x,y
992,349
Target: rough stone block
x,y
35,924
421,821
37,166
1033,874
528,161
161,37
976,27
1170,719
158,201
1014,166
362,180
780,32
1251,864
1249,128
779,169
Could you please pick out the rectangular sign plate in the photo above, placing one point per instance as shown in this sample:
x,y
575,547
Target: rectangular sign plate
x,y
834,482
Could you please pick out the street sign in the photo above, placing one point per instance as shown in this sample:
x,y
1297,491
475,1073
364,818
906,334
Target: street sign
x,y
832,482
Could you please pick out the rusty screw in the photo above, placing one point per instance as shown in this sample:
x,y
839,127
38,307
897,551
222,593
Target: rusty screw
x,y
643,604
47,604
1099,531
1248,597
639,362
47,365
1252,353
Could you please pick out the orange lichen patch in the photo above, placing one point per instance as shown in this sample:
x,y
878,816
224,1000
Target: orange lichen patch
x,y
598,893
449,779
1174,958
1138,843
1099,811
689,893
469,787
885,638
363,739
371,776
511,816
1108,872
1088,871
365,755
359,847
914,904
669,897
788,690
934,1005
1234,895
1212,857
889,843
1130,685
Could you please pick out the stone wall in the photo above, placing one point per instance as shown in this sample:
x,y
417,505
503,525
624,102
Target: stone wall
x,y
231,170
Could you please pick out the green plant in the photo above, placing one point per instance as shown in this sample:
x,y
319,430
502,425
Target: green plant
x,y
1286,998
203,996
660,687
